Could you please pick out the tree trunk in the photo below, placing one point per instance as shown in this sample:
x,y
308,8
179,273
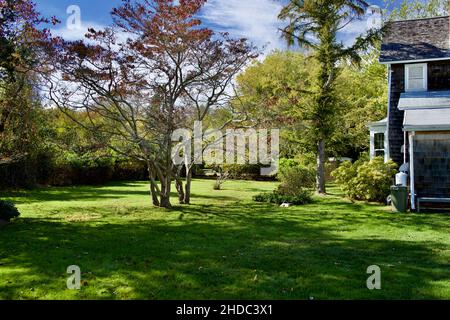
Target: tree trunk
x,y
154,193
320,177
180,190
154,190
160,195
165,193
187,193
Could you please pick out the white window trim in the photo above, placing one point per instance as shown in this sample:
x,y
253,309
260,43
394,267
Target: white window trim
x,y
425,76
373,151
384,147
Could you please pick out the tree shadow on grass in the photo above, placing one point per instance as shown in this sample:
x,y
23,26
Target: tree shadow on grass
x,y
340,215
236,259
76,193
214,196
93,193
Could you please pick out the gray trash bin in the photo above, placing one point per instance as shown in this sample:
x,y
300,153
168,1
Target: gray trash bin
x,y
399,196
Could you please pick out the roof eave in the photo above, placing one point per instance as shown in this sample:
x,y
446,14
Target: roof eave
x,y
388,62
427,128
378,124
423,108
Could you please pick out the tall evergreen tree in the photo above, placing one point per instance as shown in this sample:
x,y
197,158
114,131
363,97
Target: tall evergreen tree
x,y
314,25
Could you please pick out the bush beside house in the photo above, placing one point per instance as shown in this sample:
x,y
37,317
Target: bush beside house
x,y
366,180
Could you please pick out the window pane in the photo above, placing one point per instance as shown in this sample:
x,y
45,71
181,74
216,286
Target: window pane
x,y
415,73
416,84
415,77
379,141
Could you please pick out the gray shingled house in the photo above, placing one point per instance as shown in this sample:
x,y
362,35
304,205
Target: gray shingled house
x,y
416,132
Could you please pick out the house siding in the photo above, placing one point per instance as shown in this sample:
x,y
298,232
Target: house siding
x,y
396,136
438,80
439,76
432,164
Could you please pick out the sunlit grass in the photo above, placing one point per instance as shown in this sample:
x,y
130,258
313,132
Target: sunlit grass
x,y
222,246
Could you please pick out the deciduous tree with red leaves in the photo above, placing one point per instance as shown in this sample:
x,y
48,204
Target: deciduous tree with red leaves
x,y
153,71
22,37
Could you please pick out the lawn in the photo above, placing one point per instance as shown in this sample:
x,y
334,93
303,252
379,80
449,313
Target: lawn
x,y
224,246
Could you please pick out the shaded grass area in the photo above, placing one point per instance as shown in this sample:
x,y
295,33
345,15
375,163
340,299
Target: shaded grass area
x,y
224,246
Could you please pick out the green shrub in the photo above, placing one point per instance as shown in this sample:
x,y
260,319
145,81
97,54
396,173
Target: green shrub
x,y
303,197
8,210
288,163
303,159
295,180
242,171
296,187
285,163
366,180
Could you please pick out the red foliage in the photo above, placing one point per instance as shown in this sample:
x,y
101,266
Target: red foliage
x,y
146,76
21,30
155,41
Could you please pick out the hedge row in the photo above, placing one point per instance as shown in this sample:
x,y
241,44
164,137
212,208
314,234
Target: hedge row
x,y
43,171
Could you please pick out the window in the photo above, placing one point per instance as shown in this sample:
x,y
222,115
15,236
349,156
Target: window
x,y
416,77
379,144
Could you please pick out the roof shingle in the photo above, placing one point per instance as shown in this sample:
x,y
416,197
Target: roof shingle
x,y
420,39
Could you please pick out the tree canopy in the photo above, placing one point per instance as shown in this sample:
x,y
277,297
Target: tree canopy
x,y
138,92
415,9
314,24
277,92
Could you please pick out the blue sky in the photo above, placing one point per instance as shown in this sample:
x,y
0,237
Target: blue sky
x,y
252,19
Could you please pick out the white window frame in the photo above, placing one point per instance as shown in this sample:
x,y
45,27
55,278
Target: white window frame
x,y
373,151
425,77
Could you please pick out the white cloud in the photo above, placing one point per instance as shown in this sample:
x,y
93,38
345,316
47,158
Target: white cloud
x,y
256,20
355,27
358,27
72,34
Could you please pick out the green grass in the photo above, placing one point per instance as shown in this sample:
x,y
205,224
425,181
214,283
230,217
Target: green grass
x,y
224,246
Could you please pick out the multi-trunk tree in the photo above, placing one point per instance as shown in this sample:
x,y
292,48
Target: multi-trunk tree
x,y
155,70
